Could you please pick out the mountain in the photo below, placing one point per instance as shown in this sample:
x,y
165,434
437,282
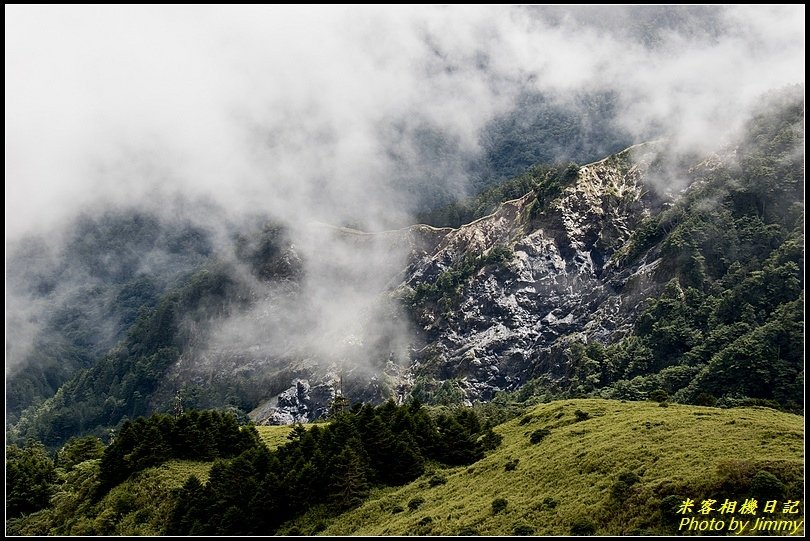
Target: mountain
x,y
649,271
643,272
85,289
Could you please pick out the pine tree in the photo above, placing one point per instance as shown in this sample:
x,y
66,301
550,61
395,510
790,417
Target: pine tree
x,y
349,481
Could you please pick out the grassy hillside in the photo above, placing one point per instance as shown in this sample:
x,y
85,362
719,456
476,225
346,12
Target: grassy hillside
x,y
276,436
573,466
570,479
141,505
138,506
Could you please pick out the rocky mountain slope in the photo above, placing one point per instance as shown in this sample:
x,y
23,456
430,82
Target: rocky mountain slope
x,y
509,322
647,271
642,272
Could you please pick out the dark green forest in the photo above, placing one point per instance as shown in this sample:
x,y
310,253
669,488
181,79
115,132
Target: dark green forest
x,y
334,466
250,489
197,435
110,271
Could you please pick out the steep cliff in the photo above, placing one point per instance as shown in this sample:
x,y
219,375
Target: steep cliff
x,y
510,322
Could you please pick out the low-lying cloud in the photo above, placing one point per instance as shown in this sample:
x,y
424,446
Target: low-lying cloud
x,y
289,110
319,114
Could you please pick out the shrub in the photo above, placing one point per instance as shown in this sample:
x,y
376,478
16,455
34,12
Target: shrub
x,y
705,399
490,440
583,526
414,504
523,529
499,254
437,480
659,395
631,478
582,415
735,476
397,509
468,530
621,488
549,502
767,486
663,404
511,465
620,491
498,505
425,521
538,435
534,209
669,506
526,420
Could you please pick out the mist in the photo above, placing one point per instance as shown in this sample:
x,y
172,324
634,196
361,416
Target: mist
x,y
318,115
287,109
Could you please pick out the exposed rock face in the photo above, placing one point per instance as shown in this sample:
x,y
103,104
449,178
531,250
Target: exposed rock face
x,y
304,402
298,404
512,322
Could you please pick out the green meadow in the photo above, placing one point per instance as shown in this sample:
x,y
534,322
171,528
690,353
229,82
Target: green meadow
x,y
604,467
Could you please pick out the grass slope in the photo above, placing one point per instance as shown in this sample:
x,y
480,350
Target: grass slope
x,y
569,480
275,436
141,505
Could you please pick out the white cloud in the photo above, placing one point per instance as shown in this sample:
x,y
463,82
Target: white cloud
x,y
289,110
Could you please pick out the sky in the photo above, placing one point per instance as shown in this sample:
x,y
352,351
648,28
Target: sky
x,y
293,111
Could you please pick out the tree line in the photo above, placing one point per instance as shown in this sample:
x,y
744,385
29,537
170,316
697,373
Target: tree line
x,y
333,466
